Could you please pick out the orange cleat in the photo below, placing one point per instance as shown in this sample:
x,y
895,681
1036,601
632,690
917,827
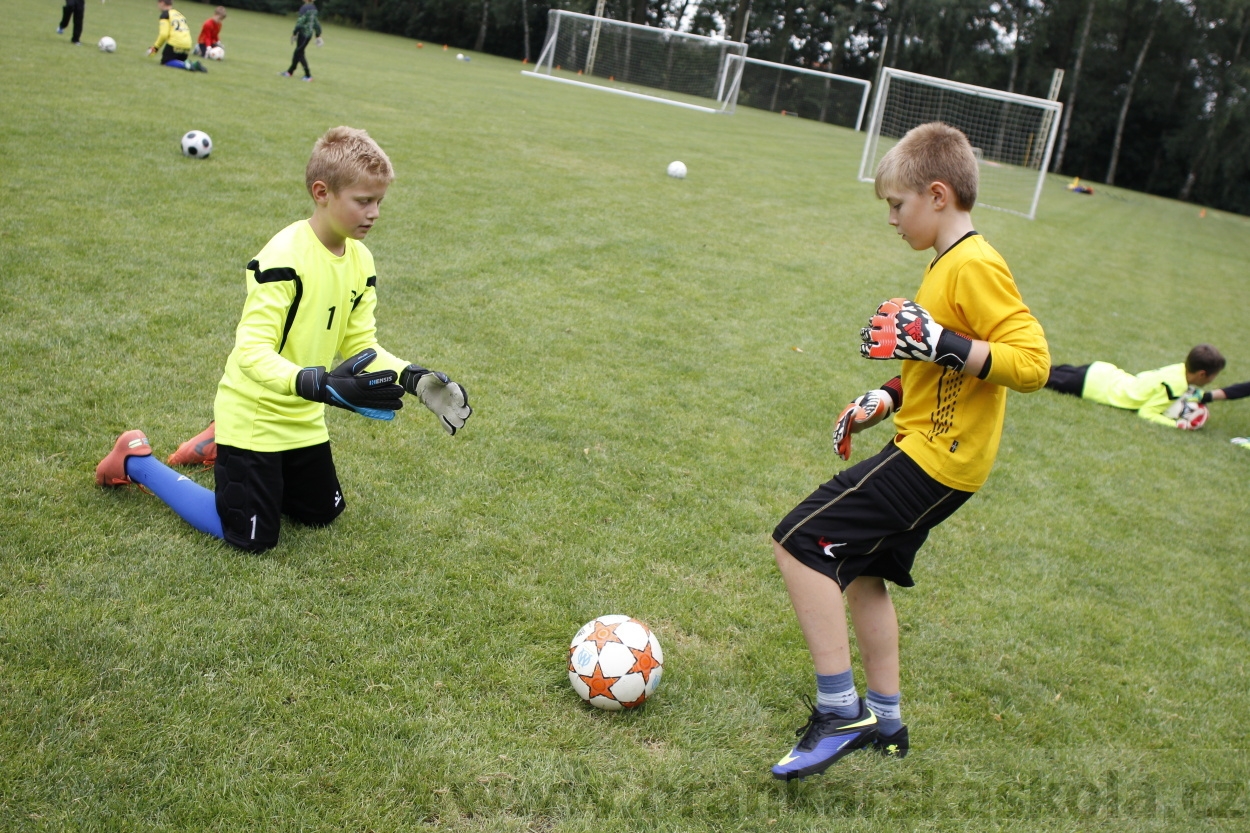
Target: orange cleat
x,y
112,469
200,450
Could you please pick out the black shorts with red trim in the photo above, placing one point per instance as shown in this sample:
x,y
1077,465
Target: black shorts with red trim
x,y
256,488
869,520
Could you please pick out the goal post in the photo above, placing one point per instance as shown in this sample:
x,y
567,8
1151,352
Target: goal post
x,y
630,59
1012,134
799,91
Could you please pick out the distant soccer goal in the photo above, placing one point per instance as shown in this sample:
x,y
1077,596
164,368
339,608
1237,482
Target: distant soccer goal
x,y
1013,135
795,91
638,61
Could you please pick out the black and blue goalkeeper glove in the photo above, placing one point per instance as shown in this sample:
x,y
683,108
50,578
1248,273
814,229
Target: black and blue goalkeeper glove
x,y
374,395
447,399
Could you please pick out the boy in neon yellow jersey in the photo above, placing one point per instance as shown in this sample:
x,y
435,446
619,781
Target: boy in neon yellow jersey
x,y
173,39
310,295
965,339
1154,394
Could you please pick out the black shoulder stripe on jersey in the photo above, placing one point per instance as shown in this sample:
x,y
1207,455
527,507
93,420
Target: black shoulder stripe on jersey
x,y
369,282
281,273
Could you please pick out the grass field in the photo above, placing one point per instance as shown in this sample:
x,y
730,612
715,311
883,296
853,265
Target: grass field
x,y
655,366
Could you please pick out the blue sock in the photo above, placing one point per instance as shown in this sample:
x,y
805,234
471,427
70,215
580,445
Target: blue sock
x,y
886,708
191,501
175,65
836,693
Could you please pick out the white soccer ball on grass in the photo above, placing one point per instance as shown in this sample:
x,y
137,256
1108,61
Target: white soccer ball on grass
x,y
677,170
215,53
196,143
107,44
615,662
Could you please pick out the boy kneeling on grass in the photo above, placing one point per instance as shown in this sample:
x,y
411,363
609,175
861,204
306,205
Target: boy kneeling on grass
x,y
310,295
965,339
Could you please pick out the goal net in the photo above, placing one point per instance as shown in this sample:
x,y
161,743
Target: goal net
x,y
639,61
1013,135
795,91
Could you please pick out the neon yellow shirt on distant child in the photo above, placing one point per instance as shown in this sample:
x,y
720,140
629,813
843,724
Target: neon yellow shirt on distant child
x,y
950,423
1148,393
304,305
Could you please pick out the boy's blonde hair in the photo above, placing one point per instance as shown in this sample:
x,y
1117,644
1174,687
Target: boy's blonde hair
x,y
343,157
932,152
220,11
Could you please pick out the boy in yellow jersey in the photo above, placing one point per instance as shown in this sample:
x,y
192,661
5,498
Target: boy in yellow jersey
x,y
310,295
1170,396
173,39
965,339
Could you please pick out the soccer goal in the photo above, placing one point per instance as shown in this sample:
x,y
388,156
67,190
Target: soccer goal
x,y
1013,135
638,61
794,91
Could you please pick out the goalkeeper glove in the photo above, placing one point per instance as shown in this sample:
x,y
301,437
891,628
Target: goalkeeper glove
x,y
320,42
865,412
441,395
902,329
374,395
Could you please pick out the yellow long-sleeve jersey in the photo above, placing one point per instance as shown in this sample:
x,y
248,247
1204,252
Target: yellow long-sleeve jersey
x,y
951,423
304,305
174,30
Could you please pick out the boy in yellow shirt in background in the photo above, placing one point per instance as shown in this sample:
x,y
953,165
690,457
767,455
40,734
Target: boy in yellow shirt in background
x,y
965,339
1170,396
173,39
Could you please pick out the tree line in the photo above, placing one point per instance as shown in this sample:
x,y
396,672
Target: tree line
x,y
1155,91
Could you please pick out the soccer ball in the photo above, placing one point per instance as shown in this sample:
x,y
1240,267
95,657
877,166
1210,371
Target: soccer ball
x,y
615,662
107,44
1190,410
677,170
1195,413
196,143
215,53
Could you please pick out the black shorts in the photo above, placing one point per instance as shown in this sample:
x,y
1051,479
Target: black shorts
x,y
869,520
1066,378
256,488
170,54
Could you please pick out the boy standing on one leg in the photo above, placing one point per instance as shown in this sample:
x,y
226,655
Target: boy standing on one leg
x,y
73,11
310,295
964,341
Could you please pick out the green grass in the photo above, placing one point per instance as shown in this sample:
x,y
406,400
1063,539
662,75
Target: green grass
x,y
1074,652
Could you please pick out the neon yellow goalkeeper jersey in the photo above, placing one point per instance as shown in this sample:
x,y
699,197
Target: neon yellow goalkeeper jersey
x,y
1148,393
950,423
304,305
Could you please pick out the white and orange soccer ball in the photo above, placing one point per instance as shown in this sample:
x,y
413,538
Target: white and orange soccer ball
x,y
615,662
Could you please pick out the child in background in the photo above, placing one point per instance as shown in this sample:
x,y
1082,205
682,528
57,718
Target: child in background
x,y
1154,394
306,28
173,38
210,32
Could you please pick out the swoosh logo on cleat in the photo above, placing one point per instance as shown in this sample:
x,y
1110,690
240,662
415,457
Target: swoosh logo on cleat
x,y
788,758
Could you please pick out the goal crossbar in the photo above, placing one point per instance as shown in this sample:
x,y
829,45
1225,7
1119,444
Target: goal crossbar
x,y
637,61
